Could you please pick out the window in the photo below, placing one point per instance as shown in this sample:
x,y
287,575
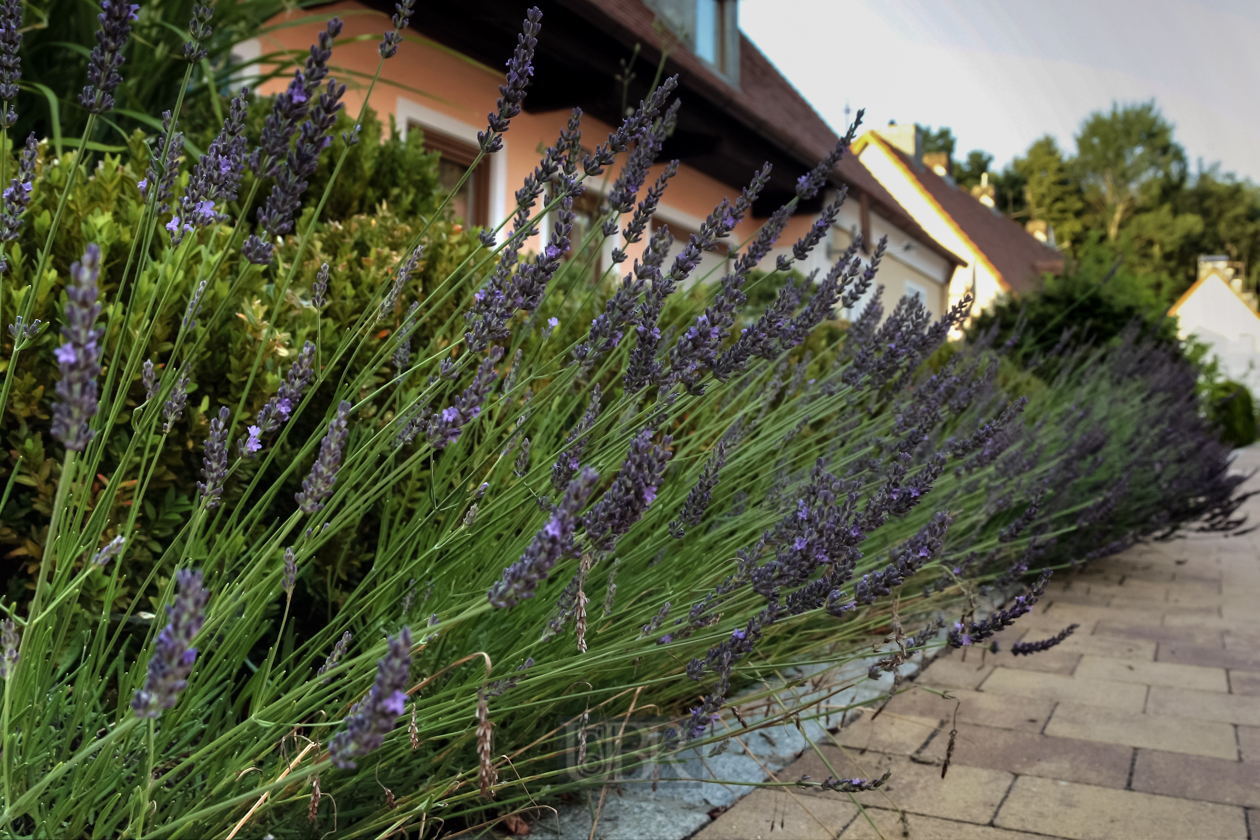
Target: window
x,y
586,217
472,203
709,31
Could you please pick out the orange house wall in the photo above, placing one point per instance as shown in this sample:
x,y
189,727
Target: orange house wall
x,y
466,91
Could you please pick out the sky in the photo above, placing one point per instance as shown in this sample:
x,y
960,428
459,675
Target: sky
x,y
1002,73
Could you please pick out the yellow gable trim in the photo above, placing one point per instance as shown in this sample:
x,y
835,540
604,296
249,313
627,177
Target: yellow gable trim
x,y
871,137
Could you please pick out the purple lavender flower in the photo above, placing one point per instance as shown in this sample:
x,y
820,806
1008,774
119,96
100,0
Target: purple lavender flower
x,y
10,60
319,288
79,355
158,185
400,280
148,377
9,644
338,651
173,654
1029,648
289,576
278,409
199,32
374,717
216,176
214,461
17,196
23,332
566,465
643,367
253,442
444,428
634,489
492,304
697,501
978,631
194,307
854,785
402,17
175,403
289,108
553,541
402,353
115,28
112,549
808,185
512,94
630,129
319,484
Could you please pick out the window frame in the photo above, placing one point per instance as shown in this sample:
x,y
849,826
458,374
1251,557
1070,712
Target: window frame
x,y
460,153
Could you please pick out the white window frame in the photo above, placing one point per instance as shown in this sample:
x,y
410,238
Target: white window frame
x,y
407,111
918,289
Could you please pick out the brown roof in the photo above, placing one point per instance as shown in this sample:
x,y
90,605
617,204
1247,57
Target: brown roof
x,y
765,102
1016,254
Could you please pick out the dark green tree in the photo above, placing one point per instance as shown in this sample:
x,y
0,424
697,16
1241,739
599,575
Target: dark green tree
x,y
1127,161
1051,193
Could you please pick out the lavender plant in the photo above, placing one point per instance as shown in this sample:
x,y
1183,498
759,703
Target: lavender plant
x,y
762,489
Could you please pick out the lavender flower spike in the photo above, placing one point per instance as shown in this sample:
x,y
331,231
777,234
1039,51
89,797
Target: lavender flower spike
x,y
9,640
553,541
115,28
697,501
200,31
279,407
10,61
1029,648
373,718
512,94
402,17
289,578
319,288
112,549
338,651
79,355
17,196
173,654
634,489
174,408
319,484
214,469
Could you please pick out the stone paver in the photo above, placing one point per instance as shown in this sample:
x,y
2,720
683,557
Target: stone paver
x,y
1210,656
926,828
975,707
1162,732
1088,762
1249,743
1122,696
1169,674
1204,705
1194,777
768,813
1244,682
1144,724
1085,812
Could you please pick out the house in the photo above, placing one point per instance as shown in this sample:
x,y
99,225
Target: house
x,y
997,256
738,112
1220,311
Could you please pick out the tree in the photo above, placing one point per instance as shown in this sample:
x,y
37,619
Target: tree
x,y
967,172
941,140
1051,193
1124,159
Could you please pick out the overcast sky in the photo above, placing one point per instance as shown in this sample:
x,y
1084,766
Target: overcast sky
x,y
1001,73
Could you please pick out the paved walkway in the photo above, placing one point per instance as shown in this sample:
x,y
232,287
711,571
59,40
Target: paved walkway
x,y
1145,724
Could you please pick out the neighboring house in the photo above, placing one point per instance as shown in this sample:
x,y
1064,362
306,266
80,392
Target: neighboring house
x,y
1000,256
737,113
1219,311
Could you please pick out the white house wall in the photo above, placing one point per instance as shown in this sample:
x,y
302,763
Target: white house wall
x,y
910,196
1218,317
